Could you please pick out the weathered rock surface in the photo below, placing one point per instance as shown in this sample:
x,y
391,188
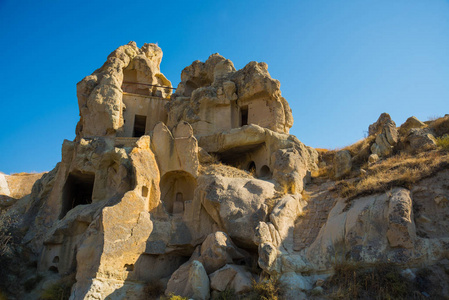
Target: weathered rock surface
x,y
410,123
231,277
237,205
342,163
190,280
100,94
213,97
207,190
377,127
419,140
218,250
386,139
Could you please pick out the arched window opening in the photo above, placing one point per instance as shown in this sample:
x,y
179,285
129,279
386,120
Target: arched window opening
x,y
265,172
189,88
177,188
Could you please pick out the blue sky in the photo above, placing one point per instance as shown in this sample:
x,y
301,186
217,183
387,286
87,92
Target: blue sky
x,y
340,63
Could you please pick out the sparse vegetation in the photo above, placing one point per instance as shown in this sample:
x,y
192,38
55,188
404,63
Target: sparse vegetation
x,y
381,281
265,289
440,126
227,294
7,223
443,142
224,170
153,290
176,297
401,170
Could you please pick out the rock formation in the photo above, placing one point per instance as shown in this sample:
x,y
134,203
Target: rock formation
x,y
203,190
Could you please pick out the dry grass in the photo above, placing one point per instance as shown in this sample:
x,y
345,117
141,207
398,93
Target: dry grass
x,y
440,126
360,151
381,281
398,171
224,170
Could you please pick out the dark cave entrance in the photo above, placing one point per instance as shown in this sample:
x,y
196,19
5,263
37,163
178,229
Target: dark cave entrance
x,y
244,116
140,123
77,191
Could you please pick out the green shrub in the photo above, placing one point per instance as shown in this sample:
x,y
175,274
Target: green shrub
x,y
443,142
228,294
176,297
266,289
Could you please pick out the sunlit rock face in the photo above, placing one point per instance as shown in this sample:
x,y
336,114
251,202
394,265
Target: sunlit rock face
x,y
200,190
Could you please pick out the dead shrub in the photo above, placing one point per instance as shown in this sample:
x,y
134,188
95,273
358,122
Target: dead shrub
x,y
440,126
153,290
266,289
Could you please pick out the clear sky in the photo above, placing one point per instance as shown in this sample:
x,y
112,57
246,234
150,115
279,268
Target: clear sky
x,y
340,63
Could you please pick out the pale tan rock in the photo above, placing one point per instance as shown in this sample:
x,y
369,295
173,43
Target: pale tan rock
x,y
268,258
378,126
216,97
262,146
401,228
100,95
373,158
231,277
19,185
284,214
175,151
372,228
419,140
386,140
289,170
342,164
294,284
218,250
294,263
237,205
190,280
410,123
4,189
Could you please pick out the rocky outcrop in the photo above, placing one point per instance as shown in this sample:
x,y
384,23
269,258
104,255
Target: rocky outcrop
x,y
237,205
214,97
190,280
410,123
205,192
231,277
100,95
387,138
419,140
342,163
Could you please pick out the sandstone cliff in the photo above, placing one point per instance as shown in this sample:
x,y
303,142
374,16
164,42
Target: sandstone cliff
x,y
204,191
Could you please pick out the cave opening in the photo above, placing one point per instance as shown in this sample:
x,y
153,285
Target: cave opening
x,y
77,190
139,125
244,116
265,172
